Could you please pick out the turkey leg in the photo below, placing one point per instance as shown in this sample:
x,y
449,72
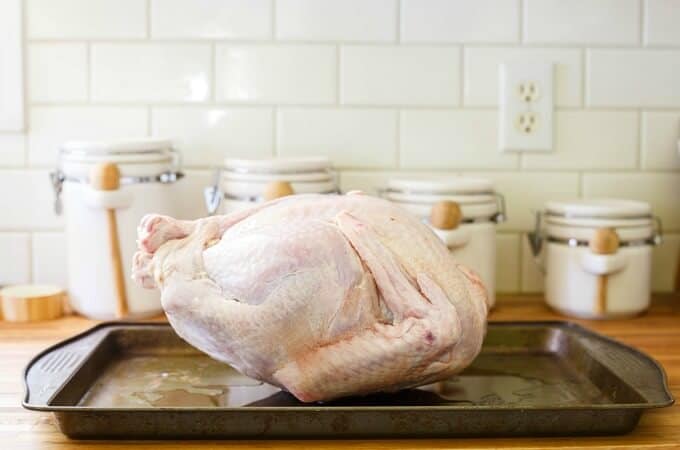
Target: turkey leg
x,y
418,344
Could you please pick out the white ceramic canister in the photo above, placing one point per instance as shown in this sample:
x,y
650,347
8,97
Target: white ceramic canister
x,y
473,241
242,182
148,169
581,279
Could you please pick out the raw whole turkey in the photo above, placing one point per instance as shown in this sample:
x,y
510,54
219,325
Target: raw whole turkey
x,y
324,296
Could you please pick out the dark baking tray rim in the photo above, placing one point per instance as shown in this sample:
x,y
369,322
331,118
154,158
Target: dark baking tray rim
x,y
665,394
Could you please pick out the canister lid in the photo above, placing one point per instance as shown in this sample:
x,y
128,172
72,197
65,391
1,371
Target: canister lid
x,y
278,165
452,185
578,219
599,208
138,150
126,146
475,196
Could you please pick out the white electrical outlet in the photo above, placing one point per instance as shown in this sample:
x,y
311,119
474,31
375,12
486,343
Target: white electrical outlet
x,y
526,106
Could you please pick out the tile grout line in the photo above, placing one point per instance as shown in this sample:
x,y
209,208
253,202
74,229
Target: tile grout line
x,y
642,9
522,22
398,11
148,19
273,19
377,43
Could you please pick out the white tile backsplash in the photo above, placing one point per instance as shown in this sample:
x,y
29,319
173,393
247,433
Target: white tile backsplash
x,y
661,190
582,21
15,264
58,72
286,74
492,21
482,64
53,125
383,87
12,149
632,78
333,20
205,136
661,140
392,75
86,19
49,258
28,195
590,140
350,138
461,139
661,22
211,19
151,72
526,192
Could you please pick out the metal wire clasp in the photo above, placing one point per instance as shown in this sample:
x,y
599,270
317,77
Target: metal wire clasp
x,y
57,178
213,194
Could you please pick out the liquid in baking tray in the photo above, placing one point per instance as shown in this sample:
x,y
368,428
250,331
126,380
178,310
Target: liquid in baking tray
x,y
143,381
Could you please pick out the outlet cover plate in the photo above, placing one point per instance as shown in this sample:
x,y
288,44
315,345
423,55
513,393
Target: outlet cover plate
x,y
526,91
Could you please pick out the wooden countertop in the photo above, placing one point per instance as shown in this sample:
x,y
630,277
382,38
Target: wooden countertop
x,y
656,333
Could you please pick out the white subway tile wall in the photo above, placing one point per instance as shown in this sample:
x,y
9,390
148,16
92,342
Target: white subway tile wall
x,y
143,72
589,22
277,73
332,20
452,139
351,138
384,88
205,135
661,22
211,19
399,75
632,78
50,126
57,72
590,140
460,21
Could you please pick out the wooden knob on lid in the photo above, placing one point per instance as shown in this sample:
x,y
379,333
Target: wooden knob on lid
x,y
277,189
30,303
445,215
605,241
105,177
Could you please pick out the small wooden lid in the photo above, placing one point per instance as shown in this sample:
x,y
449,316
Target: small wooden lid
x,y
605,241
29,303
445,215
277,189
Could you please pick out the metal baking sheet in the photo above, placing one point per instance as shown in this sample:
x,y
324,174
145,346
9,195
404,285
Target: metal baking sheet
x,y
141,381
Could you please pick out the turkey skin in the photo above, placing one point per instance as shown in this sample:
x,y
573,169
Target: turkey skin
x,y
324,296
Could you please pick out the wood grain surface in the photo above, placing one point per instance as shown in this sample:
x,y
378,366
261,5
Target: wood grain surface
x,y
656,333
